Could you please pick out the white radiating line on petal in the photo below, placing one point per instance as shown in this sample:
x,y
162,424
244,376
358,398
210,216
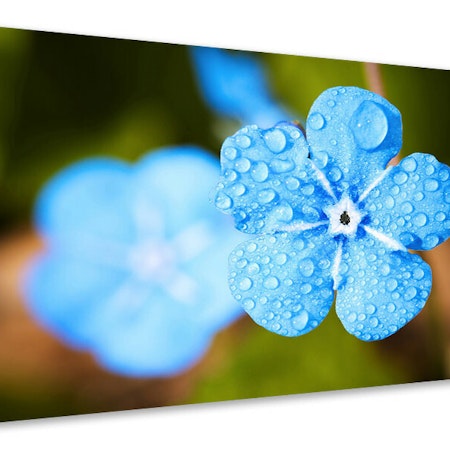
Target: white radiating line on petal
x,y
192,241
374,184
391,243
323,179
302,226
336,265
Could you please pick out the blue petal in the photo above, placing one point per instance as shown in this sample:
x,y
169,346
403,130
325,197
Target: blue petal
x,y
353,134
412,202
156,337
235,85
89,201
382,290
62,291
175,182
284,281
268,183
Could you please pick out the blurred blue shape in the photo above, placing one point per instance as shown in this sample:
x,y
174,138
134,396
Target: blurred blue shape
x,y
135,269
235,85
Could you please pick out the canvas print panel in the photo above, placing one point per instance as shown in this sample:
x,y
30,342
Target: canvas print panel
x,y
189,224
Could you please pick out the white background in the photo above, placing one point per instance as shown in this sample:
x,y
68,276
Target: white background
x,y
403,32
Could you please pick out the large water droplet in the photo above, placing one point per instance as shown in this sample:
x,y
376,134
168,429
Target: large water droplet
x,y
316,121
409,164
230,153
275,140
420,219
271,283
284,213
266,195
431,185
222,201
249,304
281,258
281,165
242,165
243,141
299,322
245,284
369,125
260,171
306,267
238,189
410,293
400,177
292,183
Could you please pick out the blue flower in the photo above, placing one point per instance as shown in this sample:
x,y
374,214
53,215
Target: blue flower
x,y
331,215
134,270
235,85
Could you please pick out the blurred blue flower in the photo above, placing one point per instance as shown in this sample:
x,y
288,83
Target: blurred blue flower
x,y
332,216
235,85
135,268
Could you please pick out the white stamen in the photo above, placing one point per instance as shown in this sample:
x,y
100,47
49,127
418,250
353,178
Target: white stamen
x,y
323,179
374,184
386,240
336,265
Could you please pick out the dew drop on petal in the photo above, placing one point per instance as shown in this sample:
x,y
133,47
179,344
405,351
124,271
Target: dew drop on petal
x,y
222,201
305,288
410,293
400,178
300,321
409,164
281,165
242,165
243,141
316,121
249,304
431,185
266,195
230,153
271,283
369,125
275,140
245,284
260,171
390,307
292,183
253,268
281,258
306,267
391,284
420,219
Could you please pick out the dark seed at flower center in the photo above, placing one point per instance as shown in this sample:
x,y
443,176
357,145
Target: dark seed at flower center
x,y
345,218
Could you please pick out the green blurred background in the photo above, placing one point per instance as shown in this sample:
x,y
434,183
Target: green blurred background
x,y
66,97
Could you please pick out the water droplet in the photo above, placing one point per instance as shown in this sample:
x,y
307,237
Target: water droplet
x,y
292,183
390,307
306,267
440,216
331,103
241,263
243,141
409,164
316,121
242,165
373,322
253,268
230,153
369,125
266,195
245,284
418,196
307,189
299,322
431,185
284,213
251,247
334,174
260,171
418,273
275,140
391,284
407,208
281,258
222,201
385,269
429,170
370,308
282,165
389,202
230,175
410,293
400,177
238,189
305,288
351,317
420,219
249,304
271,283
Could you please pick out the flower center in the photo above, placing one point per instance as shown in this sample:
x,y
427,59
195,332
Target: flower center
x,y
344,217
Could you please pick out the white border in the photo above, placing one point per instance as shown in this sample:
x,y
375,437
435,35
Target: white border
x,y
405,33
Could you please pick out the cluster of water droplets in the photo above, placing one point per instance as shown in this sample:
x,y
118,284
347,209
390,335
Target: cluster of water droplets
x,y
383,290
273,275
